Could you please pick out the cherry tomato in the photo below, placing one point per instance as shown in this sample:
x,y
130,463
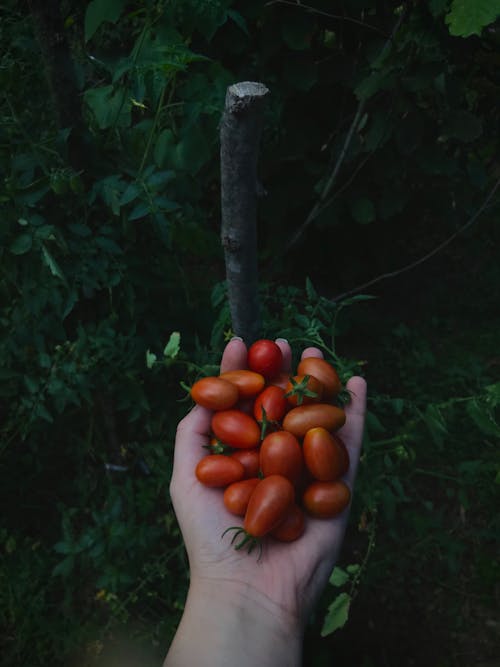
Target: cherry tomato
x,y
292,526
324,500
214,393
324,372
272,399
236,429
280,454
218,470
323,455
303,389
345,454
250,459
237,495
249,383
265,357
268,505
299,420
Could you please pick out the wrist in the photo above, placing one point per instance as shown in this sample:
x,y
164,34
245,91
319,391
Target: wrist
x,y
229,622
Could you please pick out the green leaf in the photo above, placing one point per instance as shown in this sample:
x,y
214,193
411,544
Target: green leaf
x,y
21,245
483,418
164,147
150,359
173,346
337,615
159,179
53,265
108,245
312,295
469,17
339,577
140,210
239,20
436,424
65,567
99,11
109,105
132,192
363,210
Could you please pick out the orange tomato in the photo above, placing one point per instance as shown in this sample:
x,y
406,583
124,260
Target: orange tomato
x,y
325,500
324,372
299,420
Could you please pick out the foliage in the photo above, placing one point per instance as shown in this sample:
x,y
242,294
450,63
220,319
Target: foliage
x,y
112,294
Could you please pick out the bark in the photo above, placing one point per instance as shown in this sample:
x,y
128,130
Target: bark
x,y
241,128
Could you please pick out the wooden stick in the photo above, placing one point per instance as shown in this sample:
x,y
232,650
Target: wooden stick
x,y
240,132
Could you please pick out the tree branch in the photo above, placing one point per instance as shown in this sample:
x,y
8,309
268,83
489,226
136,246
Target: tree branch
x,y
434,251
240,131
319,205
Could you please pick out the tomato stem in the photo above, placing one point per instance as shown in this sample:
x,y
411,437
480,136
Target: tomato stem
x,y
300,389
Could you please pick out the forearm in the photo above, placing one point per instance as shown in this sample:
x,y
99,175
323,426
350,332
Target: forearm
x,y
227,625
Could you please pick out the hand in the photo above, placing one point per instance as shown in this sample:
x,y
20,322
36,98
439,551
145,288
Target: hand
x,y
287,581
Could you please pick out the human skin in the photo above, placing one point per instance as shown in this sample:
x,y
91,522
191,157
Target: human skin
x,y
241,610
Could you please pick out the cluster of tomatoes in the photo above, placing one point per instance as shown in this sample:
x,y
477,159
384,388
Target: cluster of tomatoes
x,y
274,449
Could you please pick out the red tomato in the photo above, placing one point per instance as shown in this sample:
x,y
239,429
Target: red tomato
x,y
272,399
324,500
265,357
218,470
292,526
250,460
236,429
237,495
303,389
324,372
323,455
249,383
345,454
299,420
280,454
268,505
214,393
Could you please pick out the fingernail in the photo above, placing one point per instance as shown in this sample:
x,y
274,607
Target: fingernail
x,y
282,340
236,338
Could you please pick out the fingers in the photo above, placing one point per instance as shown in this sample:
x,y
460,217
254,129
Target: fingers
x,y
194,430
286,351
192,434
234,356
352,432
312,352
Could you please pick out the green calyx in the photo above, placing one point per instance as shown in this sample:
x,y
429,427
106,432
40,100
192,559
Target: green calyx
x,y
219,448
300,389
249,542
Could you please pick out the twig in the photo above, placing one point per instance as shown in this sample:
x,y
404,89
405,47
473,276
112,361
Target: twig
x,y
319,205
240,132
313,10
434,251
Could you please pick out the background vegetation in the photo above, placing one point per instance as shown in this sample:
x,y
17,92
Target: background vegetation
x,y
380,147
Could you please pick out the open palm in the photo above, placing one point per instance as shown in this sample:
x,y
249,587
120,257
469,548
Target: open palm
x,y
289,576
